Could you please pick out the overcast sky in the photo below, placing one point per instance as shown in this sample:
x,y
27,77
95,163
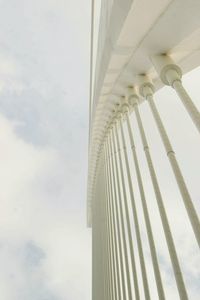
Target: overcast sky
x,y
45,247
44,75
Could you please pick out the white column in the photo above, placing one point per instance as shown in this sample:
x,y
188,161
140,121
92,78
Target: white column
x,y
104,229
187,102
113,235
167,231
126,273
99,289
123,196
109,265
121,236
147,91
116,223
110,235
101,233
135,217
171,74
157,274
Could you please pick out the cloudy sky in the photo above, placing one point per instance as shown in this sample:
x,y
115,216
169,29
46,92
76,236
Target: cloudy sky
x,y
44,75
45,251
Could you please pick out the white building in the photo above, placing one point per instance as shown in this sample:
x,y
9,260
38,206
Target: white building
x,y
142,46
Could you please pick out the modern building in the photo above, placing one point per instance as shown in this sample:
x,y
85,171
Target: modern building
x,y
142,46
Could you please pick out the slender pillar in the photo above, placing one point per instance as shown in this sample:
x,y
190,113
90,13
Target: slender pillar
x,y
119,170
167,231
94,276
118,256
123,195
109,265
121,230
104,229
94,249
145,211
101,236
99,293
103,220
187,102
171,74
121,236
192,214
112,235
101,244
135,217
109,238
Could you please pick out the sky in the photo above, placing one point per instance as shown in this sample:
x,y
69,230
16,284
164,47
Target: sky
x,y
45,246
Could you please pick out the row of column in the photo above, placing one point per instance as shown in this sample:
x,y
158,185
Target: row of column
x,y
115,272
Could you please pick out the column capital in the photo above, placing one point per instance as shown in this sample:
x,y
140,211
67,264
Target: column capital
x,y
132,97
145,86
125,108
118,115
167,69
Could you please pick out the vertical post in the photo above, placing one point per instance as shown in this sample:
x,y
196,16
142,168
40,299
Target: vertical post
x,y
171,74
157,274
187,102
119,236
135,217
112,233
101,233
94,249
109,265
115,219
93,255
104,230
99,289
167,231
122,195
192,214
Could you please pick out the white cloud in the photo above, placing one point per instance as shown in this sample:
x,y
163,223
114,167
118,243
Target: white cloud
x,y
43,149
28,217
